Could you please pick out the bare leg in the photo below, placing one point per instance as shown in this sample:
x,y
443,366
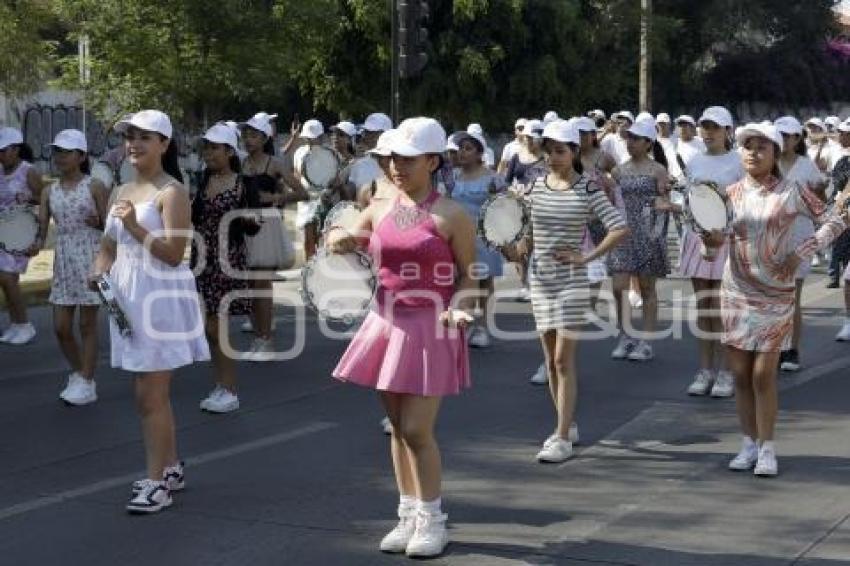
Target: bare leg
x,y
418,415
263,307
402,463
650,303
225,368
567,382
741,365
620,285
766,397
798,316
88,334
704,324
10,283
63,326
154,406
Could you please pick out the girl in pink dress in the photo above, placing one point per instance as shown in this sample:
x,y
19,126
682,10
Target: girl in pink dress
x,y
757,291
409,347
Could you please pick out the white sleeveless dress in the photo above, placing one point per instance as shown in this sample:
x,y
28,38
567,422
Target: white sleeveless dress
x,y
160,301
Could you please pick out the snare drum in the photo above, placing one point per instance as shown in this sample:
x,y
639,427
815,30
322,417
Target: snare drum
x,y
18,229
504,220
339,287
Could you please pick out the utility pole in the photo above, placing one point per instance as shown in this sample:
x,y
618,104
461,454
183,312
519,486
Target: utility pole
x,y
85,71
394,67
645,88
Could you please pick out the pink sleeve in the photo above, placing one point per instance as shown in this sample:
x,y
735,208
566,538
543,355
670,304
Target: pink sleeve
x,y
831,225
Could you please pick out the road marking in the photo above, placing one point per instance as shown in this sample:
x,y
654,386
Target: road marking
x,y
110,483
813,372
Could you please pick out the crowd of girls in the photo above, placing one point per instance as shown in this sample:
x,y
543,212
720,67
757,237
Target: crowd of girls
x,y
600,203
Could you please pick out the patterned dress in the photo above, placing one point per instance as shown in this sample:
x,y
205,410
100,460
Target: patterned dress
x,y
644,250
76,244
11,186
757,290
213,283
560,292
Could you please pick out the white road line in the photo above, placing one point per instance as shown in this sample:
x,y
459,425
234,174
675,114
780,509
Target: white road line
x,y
814,372
103,485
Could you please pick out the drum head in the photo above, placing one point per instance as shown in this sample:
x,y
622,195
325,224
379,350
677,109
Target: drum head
x,y
344,214
103,173
503,220
707,208
339,287
320,167
18,229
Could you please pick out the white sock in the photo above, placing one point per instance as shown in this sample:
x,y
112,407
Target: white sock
x,y
407,505
768,445
431,507
749,443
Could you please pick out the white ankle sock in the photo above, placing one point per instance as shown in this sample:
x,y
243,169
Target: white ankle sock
x,y
407,505
768,445
749,442
431,507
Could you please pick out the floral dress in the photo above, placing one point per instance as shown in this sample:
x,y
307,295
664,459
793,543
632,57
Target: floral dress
x,y
757,290
12,185
212,282
76,244
644,250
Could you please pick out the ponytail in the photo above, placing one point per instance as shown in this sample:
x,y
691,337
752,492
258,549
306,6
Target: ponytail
x,y
577,164
268,146
25,152
85,165
800,148
170,163
658,154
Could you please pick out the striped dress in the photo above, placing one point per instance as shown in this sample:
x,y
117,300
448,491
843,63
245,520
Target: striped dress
x,y
560,292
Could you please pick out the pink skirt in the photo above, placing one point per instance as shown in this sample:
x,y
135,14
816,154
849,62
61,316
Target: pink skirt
x,y
694,266
407,351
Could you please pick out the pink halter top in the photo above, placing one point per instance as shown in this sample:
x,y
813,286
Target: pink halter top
x,y
416,266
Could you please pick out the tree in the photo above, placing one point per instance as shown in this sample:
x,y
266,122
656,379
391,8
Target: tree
x,y
26,41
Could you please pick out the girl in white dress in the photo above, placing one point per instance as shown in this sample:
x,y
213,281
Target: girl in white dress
x,y
77,204
142,250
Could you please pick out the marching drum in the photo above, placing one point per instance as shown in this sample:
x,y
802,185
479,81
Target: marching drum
x,y
503,221
18,229
339,287
705,211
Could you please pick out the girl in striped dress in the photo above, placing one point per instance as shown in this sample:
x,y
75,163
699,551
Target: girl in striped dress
x,y
562,203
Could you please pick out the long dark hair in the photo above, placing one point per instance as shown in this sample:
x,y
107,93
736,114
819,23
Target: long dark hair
x,y
800,148
658,154
575,148
85,164
25,152
170,163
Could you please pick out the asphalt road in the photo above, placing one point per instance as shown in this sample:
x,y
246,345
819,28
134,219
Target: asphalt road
x,y
301,474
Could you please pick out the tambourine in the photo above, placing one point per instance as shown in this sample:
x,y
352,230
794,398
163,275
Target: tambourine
x,y
319,168
339,287
18,229
705,211
107,297
504,220
344,214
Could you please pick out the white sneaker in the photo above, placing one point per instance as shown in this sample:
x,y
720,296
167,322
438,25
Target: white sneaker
x,y
224,402
842,336
624,347
8,333
173,477
72,380
21,334
479,338
724,385
572,436
555,451
702,383
262,350
430,537
766,466
746,458
540,377
386,425
213,394
80,391
642,352
153,496
398,539
635,299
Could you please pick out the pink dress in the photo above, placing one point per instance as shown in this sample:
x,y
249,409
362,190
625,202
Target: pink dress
x,y
11,186
757,291
402,347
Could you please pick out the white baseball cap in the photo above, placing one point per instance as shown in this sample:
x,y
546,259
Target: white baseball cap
x,y
644,128
644,116
625,114
312,129
474,135
817,122
663,118
520,122
10,136
832,121
788,125
475,128
382,147
418,136
717,114
378,122
584,124
844,126
346,128
561,131
223,134
234,126
550,117
453,140
686,119
533,128
147,120
71,140
261,122
599,114
755,130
